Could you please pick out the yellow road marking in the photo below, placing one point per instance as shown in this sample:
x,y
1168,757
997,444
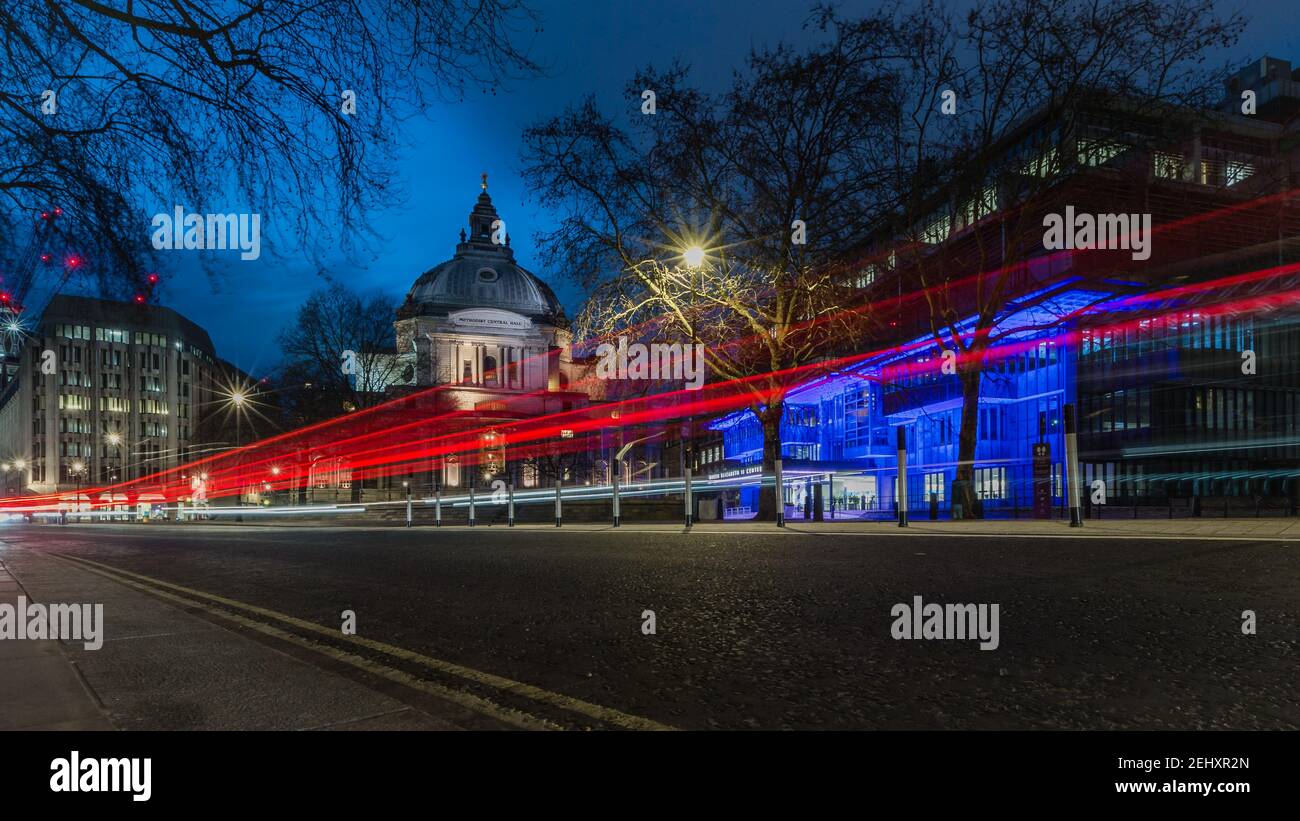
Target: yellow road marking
x,y
594,711
483,706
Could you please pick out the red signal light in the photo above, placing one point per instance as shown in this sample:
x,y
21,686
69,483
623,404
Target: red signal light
x,y
139,299
153,279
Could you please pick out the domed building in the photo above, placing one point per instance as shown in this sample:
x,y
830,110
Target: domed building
x,y
487,329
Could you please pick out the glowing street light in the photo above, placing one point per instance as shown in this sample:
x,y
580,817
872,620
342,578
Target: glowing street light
x,y
115,439
693,256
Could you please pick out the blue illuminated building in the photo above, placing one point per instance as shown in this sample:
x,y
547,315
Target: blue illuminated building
x,y
1165,413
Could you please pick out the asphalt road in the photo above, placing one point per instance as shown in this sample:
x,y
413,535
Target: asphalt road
x,y
781,630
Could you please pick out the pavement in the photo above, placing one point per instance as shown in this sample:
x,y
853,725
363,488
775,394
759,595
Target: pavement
x,y
1275,528
1117,625
1281,529
164,667
40,687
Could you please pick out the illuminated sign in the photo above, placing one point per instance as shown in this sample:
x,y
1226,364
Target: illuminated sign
x,y
490,319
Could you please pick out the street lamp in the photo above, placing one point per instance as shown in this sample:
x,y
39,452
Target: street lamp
x,y
237,399
77,469
693,256
407,485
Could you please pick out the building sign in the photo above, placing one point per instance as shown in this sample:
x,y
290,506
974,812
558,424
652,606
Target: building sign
x,y
490,319
750,470
1042,480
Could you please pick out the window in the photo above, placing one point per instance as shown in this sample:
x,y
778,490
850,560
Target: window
x,y
937,231
114,404
1045,164
934,483
991,483
1167,166
1235,172
73,331
1094,152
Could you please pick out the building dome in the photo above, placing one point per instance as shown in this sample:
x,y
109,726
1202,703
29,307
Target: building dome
x,y
482,274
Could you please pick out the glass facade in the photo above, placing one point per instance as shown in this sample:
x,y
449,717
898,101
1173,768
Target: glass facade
x,y
1173,407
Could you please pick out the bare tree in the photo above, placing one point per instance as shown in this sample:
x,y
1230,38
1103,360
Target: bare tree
x,y
113,111
769,179
990,112
341,345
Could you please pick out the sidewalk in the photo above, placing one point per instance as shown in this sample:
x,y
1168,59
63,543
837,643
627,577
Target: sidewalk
x,y
40,689
1274,528
1283,529
161,668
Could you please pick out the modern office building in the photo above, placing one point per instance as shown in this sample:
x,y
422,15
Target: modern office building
x,y
1183,368
105,392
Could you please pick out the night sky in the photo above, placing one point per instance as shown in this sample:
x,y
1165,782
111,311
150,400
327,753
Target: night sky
x,y
587,48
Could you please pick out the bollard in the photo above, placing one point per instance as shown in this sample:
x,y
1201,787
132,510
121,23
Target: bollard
x,y
617,467
1072,465
558,511
687,496
780,494
902,476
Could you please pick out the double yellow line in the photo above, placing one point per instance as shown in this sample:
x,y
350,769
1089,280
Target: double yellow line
x,y
265,623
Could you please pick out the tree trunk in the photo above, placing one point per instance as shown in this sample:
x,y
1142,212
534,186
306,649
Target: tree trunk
x,y
964,493
770,417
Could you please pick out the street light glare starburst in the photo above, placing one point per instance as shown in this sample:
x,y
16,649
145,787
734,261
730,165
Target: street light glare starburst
x,y
237,398
13,329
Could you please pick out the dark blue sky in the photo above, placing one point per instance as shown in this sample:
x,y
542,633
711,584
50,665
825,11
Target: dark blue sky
x,y
589,48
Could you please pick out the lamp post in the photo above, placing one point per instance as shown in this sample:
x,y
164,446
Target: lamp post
x,y
237,399
407,485
77,469
694,259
